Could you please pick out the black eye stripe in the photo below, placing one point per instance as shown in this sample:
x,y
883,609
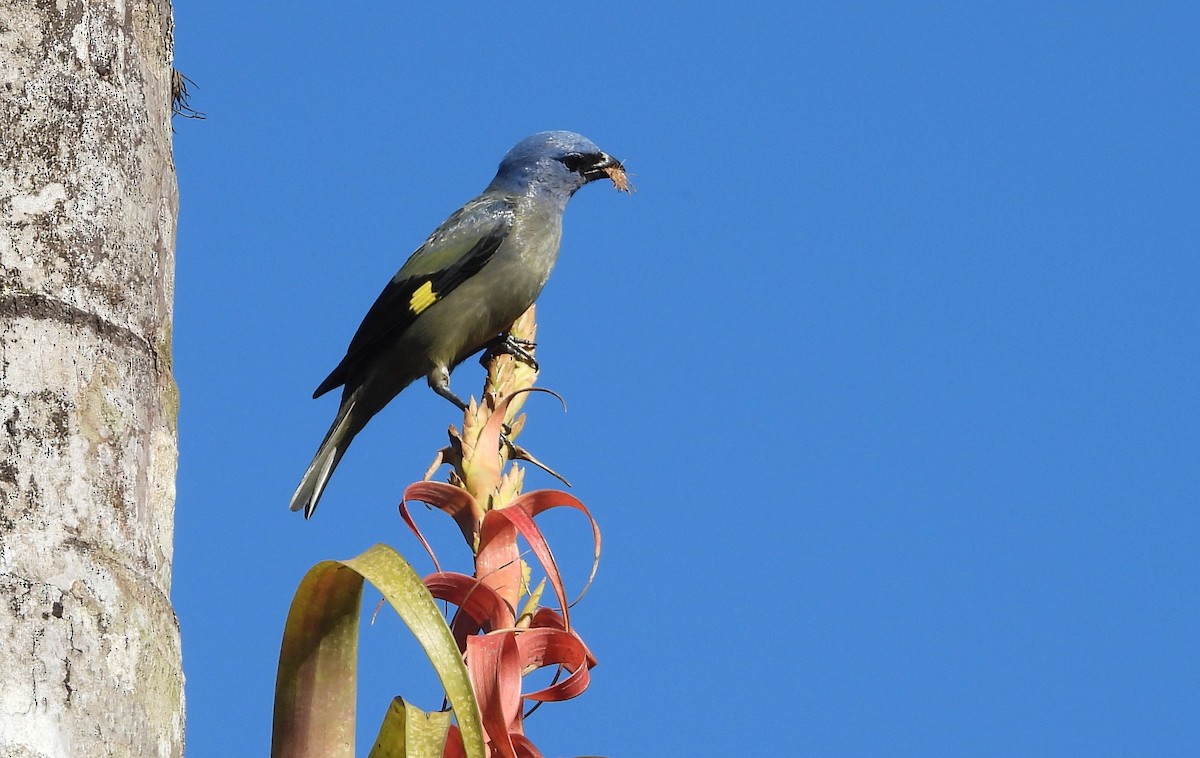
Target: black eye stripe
x,y
573,161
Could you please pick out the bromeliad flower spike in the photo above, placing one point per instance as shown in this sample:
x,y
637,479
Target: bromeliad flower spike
x,y
499,631
499,643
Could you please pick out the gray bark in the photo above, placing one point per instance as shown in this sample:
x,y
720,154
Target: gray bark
x,y
89,643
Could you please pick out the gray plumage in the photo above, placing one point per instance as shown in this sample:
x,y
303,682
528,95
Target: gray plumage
x,y
479,271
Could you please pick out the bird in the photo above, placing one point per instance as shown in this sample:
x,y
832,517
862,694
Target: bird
x,y
460,291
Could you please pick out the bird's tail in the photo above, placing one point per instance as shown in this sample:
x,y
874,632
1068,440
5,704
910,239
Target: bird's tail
x,y
308,494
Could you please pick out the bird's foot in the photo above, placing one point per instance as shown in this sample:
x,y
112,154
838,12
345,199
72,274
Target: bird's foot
x,y
506,344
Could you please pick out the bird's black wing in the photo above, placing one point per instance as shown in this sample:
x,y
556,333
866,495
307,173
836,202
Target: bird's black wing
x,y
454,253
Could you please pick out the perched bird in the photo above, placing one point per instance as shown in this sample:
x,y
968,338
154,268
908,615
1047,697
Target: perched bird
x,y
480,270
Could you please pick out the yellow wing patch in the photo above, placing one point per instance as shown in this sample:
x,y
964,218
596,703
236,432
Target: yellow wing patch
x,y
422,298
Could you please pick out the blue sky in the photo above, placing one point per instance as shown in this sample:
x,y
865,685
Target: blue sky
x,y
883,387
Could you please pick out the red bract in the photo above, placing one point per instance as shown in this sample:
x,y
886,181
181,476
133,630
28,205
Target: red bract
x,y
494,662
456,502
499,657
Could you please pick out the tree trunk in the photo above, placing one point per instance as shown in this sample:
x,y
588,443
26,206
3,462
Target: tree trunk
x,y
89,644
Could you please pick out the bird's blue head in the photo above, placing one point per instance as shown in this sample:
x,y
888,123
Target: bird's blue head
x,y
554,164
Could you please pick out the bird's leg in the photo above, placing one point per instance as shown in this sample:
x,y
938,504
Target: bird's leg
x,y
439,382
508,344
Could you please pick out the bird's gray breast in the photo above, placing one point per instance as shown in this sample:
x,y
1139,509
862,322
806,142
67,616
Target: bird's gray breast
x,y
491,300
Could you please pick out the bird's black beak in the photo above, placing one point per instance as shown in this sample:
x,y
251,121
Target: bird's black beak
x,y
600,164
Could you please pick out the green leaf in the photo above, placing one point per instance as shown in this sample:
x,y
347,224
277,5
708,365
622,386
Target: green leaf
x,y
409,732
315,689
400,585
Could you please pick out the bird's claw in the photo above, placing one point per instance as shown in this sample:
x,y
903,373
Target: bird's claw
x,y
506,344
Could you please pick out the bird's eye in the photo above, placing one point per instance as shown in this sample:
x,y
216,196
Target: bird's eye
x,y
573,161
